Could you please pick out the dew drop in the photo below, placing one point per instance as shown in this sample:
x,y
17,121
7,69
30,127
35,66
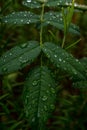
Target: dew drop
x,y
4,69
52,107
10,54
52,90
24,45
60,59
45,108
23,60
34,83
4,60
55,56
44,98
28,0
33,119
22,20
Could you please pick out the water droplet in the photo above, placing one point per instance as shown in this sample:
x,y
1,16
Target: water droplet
x,y
44,98
52,90
10,54
4,69
45,108
47,92
55,56
4,60
49,85
28,0
60,59
52,106
24,45
34,83
23,60
22,20
33,119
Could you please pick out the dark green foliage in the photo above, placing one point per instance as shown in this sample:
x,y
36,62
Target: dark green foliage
x,y
49,3
40,87
56,19
80,84
20,18
64,61
39,96
19,56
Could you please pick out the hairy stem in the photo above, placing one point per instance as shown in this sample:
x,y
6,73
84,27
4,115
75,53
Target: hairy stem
x,y
64,38
41,29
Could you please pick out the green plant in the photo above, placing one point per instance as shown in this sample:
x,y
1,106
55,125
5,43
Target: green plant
x,y
40,86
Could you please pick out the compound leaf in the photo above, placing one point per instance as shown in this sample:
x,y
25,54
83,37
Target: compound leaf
x,y
56,19
49,3
56,3
80,84
19,56
64,61
20,18
31,3
84,62
39,96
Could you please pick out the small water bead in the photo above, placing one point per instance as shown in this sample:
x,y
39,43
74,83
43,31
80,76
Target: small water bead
x,y
64,61
34,83
4,60
55,56
24,45
33,119
52,106
23,60
5,21
49,85
44,98
28,0
52,90
45,108
4,69
22,20
10,54
60,59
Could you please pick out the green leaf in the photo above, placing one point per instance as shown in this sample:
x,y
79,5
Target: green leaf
x,y
56,19
39,96
64,61
31,3
19,56
20,18
56,3
80,84
84,62
49,3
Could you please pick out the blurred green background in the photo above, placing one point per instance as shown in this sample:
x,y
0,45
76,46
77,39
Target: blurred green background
x,y
71,104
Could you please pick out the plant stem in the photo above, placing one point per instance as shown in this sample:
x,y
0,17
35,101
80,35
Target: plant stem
x,y
41,29
64,38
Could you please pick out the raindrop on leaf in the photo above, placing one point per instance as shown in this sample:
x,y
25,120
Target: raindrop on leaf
x,y
34,83
4,69
44,98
